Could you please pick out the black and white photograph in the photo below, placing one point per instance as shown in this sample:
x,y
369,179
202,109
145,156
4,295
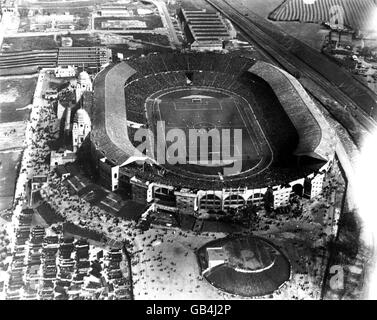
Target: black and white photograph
x,y
188,153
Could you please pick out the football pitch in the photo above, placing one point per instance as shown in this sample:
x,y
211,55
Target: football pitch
x,y
207,109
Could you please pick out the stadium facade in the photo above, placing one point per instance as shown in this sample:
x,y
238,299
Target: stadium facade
x,y
297,152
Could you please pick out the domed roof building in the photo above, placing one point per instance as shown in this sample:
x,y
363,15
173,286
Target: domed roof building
x,y
84,76
84,83
81,128
82,117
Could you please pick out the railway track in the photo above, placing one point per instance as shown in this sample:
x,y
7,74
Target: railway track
x,y
276,54
28,58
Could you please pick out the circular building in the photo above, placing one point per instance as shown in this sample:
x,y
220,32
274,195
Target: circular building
x,y
153,116
247,266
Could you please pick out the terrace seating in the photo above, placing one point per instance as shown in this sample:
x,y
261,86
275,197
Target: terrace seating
x,y
157,72
223,63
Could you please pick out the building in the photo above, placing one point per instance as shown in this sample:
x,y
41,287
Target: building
x,y
84,84
114,10
123,24
9,7
67,121
81,128
306,136
186,201
65,72
60,109
87,57
235,44
61,158
50,94
67,42
36,183
216,256
313,185
205,30
208,45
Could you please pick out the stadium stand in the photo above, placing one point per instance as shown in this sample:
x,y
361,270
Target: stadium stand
x,y
316,136
140,78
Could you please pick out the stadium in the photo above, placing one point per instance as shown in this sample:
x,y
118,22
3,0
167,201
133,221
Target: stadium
x,y
287,144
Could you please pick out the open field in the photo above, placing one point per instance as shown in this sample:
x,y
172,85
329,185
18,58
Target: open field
x,y
358,14
29,43
15,93
9,162
111,23
151,38
19,71
310,33
12,135
84,39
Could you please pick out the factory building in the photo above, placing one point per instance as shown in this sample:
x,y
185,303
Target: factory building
x,y
205,30
87,57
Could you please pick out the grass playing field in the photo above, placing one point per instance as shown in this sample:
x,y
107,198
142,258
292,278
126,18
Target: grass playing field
x,y
198,108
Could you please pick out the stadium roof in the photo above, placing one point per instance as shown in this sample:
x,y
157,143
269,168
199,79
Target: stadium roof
x,y
110,134
316,137
109,114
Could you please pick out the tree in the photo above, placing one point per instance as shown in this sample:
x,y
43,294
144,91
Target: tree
x,y
349,63
366,52
269,200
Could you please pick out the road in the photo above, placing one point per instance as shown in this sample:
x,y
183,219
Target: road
x,y
279,55
63,32
168,24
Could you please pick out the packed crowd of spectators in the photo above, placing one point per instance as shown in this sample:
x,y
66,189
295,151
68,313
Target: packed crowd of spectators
x,y
157,72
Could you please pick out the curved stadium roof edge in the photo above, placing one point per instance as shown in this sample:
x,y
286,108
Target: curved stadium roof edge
x,y
110,120
316,137
108,128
